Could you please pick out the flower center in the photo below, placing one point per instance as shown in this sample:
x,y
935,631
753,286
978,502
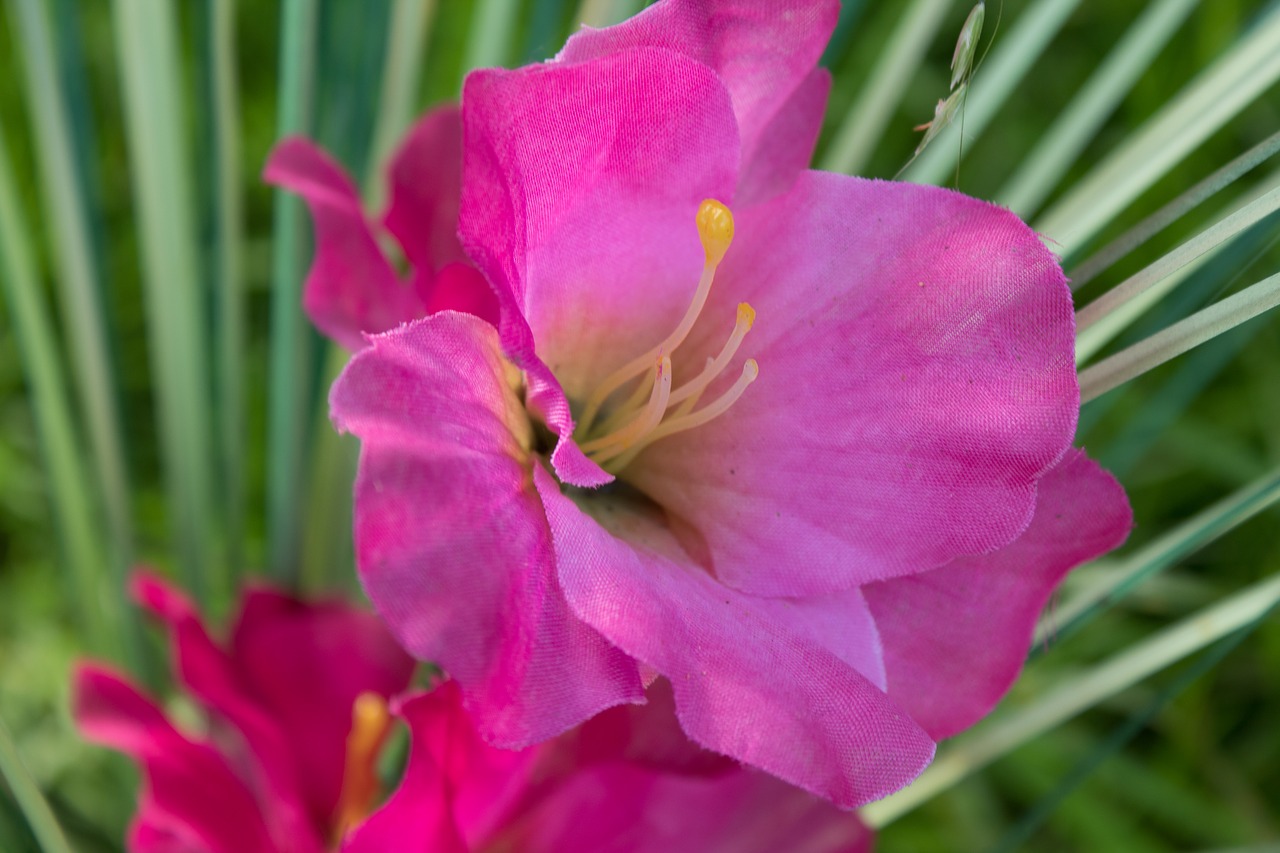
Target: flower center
x,y
655,410
370,722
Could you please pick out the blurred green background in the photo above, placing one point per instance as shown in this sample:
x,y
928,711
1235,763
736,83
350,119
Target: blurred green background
x,y
1203,772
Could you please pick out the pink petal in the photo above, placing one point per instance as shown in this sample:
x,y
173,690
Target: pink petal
x,y
191,800
765,53
459,287
916,352
451,541
622,808
419,815
582,183
306,663
955,638
426,182
212,677
748,682
351,287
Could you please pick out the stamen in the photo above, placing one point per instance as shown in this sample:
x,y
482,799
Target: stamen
x,y
750,371
370,722
640,426
746,317
715,229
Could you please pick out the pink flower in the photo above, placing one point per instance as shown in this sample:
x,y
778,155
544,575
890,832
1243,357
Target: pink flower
x,y
300,716
352,287
827,512
277,772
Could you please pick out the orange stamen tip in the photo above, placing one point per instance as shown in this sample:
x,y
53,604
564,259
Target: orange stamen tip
x,y
370,721
746,315
715,228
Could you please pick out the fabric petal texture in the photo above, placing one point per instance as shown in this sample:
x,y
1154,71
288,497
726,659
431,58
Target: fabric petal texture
x,y
988,604
451,541
351,288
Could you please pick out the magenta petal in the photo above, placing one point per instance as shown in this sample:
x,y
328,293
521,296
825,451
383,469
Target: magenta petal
x,y
748,683
351,287
212,677
419,815
451,541
955,638
764,52
582,184
306,663
426,182
917,376
622,808
192,799
459,287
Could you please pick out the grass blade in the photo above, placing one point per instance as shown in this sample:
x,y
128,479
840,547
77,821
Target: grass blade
x,y
1194,533
1073,695
1174,210
491,29
1234,81
77,275
1021,833
287,403
228,276
407,35
992,83
150,73
27,794
99,614
1079,122
1106,306
1208,323
862,128
604,13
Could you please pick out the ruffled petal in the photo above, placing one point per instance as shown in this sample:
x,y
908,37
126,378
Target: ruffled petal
x,y
426,183
748,682
451,541
765,51
623,808
351,288
917,377
306,662
192,800
582,184
211,676
955,638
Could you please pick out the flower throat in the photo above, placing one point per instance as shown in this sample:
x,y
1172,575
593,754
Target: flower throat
x,y
654,410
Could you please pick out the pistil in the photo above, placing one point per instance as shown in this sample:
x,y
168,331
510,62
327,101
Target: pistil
x,y
635,424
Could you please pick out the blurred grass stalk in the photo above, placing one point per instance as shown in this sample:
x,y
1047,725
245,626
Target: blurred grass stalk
x,y
39,817
1005,731
160,170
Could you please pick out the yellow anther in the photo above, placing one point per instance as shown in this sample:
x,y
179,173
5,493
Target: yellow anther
x,y
715,228
746,315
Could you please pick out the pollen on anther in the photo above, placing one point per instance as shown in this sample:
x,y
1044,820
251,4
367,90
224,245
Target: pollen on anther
x,y
715,228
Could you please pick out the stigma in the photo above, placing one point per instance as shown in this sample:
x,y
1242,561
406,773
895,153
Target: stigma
x,y
370,722
654,410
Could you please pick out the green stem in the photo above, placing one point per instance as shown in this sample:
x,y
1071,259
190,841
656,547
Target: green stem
x,y
44,826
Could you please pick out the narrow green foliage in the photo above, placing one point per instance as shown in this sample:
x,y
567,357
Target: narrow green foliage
x,y
408,31
897,63
1217,95
287,398
160,171
98,611
1013,57
1106,305
1187,201
228,264
1062,143
1022,832
1004,732
492,26
1203,528
1220,317
39,816
603,13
